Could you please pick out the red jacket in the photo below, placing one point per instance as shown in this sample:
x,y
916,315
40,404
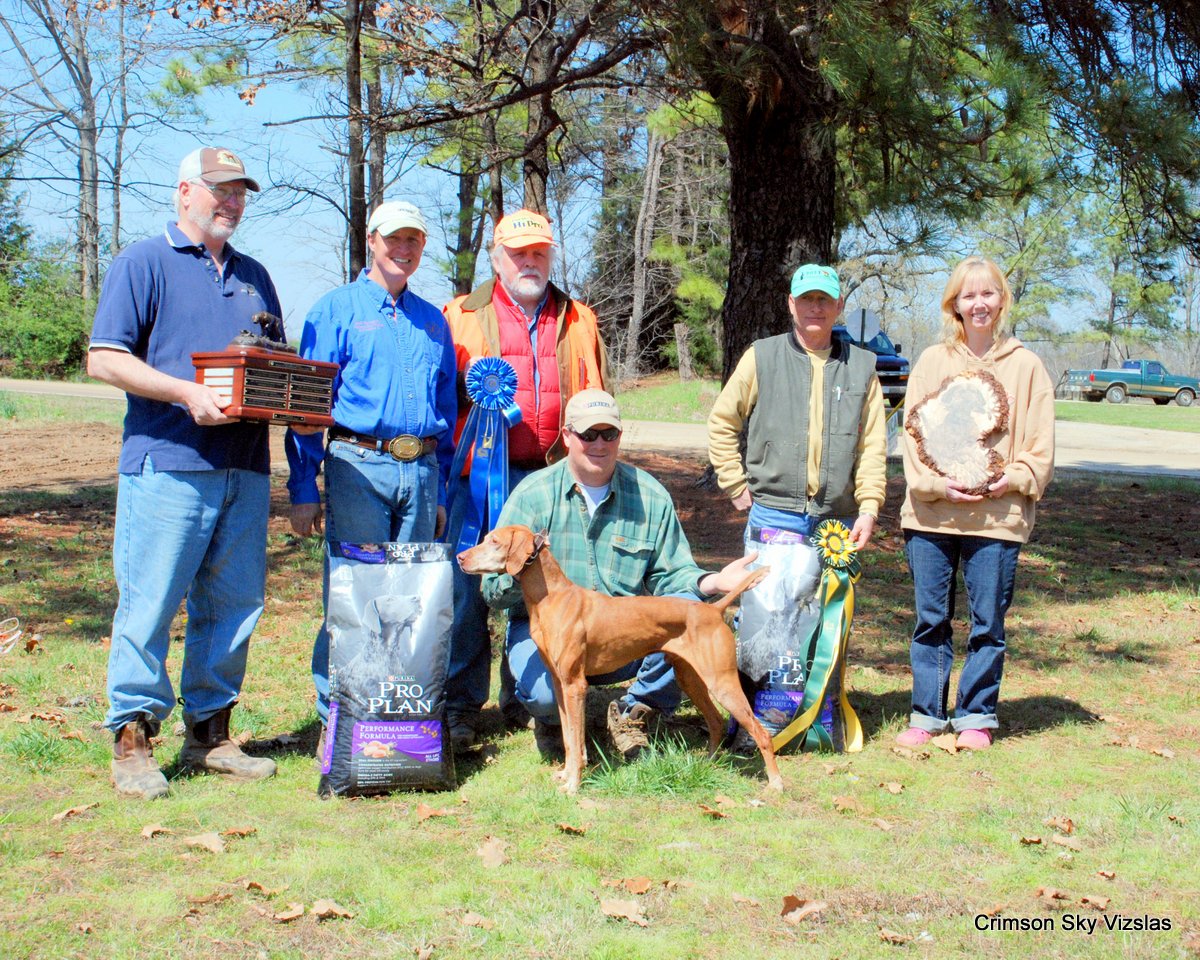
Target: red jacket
x,y
570,358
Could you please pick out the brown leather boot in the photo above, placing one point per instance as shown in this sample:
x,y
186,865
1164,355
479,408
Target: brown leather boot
x,y
135,772
208,747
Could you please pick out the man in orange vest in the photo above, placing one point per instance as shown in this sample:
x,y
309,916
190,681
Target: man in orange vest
x,y
553,343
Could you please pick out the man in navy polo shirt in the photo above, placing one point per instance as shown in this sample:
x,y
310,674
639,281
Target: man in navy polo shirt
x,y
193,483
394,403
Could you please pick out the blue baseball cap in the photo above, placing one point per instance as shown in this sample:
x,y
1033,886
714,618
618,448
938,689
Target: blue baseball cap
x,y
812,276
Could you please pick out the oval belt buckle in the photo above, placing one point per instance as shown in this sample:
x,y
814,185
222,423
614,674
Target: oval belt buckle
x,y
405,447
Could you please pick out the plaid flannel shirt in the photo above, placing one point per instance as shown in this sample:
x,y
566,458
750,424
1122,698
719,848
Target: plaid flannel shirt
x,y
632,546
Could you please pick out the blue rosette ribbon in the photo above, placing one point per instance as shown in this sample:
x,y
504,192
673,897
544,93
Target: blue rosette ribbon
x,y
830,643
492,386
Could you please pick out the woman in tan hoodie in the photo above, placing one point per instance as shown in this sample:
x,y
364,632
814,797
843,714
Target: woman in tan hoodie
x,y
946,528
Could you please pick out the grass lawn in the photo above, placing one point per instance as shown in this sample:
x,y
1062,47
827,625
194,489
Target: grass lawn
x,y
1135,413
32,407
666,398
1084,811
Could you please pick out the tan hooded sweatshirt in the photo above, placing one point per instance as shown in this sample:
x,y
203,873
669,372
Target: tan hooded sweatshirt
x,y
1027,446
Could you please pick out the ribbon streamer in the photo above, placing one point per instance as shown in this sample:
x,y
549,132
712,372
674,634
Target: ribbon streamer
x,y
830,643
492,386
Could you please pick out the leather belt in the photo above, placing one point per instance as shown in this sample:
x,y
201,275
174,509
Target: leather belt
x,y
405,447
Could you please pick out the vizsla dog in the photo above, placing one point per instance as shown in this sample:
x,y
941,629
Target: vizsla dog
x,y
582,633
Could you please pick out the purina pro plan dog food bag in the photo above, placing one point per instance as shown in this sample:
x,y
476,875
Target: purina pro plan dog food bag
x,y
389,615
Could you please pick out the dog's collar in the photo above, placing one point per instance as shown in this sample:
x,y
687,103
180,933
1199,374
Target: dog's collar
x,y
539,541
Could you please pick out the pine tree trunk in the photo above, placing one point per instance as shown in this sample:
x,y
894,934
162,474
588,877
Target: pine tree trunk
x,y
781,215
355,154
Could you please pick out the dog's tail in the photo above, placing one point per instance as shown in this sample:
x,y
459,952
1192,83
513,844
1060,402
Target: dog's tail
x,y
755,578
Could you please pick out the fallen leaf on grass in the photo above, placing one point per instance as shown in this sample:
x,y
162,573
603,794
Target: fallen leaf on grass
x,y
945,741
72,812
239,832
423,953
910,754
214,897
206,841
994,911
294,911
1031,841
327,910
7,708
634,885
1165,752
1107,874
882,825
84,928
749,901
893,788
713,812
891,936
796,909
259,888
847,805
1096,903
1051,896
491,852
152,830
49,716
425,811
1069,842
1061,824
470,919
571,829
33,643
74,735
629,910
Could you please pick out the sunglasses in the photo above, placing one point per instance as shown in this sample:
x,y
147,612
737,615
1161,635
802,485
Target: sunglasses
x,y
608,434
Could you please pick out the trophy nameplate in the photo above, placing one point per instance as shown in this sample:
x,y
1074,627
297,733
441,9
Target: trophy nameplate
x,y
259,377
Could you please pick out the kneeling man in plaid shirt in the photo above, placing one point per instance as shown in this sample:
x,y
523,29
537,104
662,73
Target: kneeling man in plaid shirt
x,y
613,529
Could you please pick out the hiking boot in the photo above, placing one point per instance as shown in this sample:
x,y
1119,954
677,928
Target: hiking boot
x,y
462,731
209,748
741,744
135,772
914,737
628,728
548,737
974,740
516,717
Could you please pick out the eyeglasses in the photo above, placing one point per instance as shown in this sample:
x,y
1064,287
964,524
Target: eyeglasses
x,y
224,194
608,434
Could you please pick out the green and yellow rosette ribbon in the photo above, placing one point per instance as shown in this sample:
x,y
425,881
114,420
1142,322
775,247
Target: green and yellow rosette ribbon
x,y
830,642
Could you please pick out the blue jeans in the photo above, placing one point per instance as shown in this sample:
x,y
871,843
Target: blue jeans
x,y
470,650
653,677
989,569
195,533
371,497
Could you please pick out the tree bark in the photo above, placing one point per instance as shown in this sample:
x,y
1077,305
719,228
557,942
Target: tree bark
x,y
643,238
775,111
356,201
541,119
377,134
683,350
